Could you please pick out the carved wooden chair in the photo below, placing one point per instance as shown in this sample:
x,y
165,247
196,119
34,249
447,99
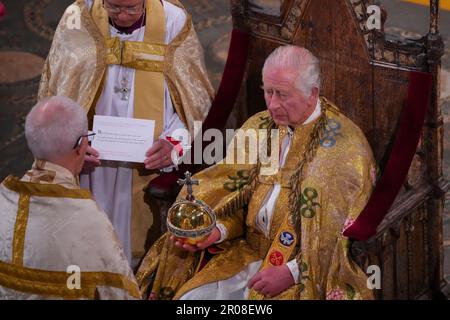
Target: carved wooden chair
x,y
371,77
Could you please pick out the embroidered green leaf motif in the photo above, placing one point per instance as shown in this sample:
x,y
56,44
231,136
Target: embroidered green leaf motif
x,y
265,122
301,287
303,267
350,292
237,182
307,203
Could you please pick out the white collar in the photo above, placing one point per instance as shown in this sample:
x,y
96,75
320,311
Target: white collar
x,y
315,114
311,118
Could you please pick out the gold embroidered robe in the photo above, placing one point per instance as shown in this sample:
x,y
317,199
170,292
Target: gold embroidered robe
x,y
49,224
335,187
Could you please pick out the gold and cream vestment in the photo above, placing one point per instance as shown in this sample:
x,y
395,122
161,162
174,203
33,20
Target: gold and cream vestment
x,y
50,229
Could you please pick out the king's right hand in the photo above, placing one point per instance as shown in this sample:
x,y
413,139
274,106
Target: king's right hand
x,y
212,239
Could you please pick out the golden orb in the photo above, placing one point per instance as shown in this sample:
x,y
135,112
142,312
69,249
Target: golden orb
x,y
190,221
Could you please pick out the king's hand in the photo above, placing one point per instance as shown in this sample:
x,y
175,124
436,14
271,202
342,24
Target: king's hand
x,y
212,238
272,280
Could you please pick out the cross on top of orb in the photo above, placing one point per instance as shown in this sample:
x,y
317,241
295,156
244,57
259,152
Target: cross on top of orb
x,y
189,182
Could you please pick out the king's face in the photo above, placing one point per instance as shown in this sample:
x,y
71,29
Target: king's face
x,y
287,105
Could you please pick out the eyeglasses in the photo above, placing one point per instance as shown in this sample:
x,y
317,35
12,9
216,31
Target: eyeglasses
x,y
90,136
128,10
282,95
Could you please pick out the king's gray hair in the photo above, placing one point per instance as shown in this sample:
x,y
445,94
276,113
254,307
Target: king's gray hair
x,y
53,126
300,60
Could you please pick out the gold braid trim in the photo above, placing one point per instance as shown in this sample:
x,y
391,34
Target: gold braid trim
x,y
20,228
296,179
244,195
54,283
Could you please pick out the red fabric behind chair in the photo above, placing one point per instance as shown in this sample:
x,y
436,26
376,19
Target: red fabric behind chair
x,y
396,170
2,10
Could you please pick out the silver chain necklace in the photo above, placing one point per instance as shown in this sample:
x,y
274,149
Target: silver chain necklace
x,y
125,82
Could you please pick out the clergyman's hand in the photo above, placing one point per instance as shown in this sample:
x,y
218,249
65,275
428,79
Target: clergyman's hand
x,y
272,281
90,160
159,155
213,238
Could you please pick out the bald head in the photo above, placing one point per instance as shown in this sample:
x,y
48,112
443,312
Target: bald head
x,y
53,126
296,59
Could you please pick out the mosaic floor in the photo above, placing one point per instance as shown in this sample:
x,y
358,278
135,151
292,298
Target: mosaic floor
x,y
27,30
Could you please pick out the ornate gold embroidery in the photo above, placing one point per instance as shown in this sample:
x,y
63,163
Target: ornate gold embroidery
x,y
138,55
54,283
20,228
44,190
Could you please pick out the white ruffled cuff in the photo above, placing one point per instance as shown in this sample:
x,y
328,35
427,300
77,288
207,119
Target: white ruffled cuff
x,y
223,232
293,267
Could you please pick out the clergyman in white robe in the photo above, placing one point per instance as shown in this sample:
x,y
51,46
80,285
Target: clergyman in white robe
x,y
111,183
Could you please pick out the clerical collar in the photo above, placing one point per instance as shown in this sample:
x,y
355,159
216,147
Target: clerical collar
x,y
129,30
311,118
315,114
